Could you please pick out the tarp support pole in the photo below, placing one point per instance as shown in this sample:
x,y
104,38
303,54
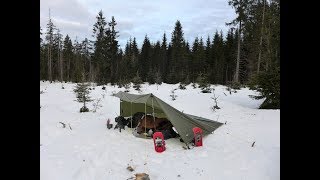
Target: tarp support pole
x,y
154,120
145,118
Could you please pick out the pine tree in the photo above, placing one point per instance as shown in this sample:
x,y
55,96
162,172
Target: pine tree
x,y
240,7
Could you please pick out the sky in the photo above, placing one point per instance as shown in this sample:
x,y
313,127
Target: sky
x,y
138,18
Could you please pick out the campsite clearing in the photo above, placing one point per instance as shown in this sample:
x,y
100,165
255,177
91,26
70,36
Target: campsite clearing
x,y
89,150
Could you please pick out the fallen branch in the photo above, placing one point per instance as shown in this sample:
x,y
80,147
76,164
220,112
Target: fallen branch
x,y
142,176
63,124
130,168
253,144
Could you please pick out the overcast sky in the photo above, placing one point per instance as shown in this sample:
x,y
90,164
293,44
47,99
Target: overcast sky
x,y
137,18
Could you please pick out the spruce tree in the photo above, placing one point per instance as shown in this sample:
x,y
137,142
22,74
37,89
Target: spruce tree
x,y
164,57
177,61
151,76
43,61
137,81
158,78
78,71
83,95
195,65
98,57
68,56
112,49
208,54
86,54
49,38
145,58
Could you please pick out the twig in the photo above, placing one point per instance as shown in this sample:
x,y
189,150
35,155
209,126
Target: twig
x,y
253,144
63,124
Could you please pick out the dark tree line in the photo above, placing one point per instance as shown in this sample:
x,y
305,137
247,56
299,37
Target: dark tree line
x,y
245,55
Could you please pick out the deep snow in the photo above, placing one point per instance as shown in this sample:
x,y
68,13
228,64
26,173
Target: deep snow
x,y
91,151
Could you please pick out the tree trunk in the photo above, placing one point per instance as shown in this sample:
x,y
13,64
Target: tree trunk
x,y
260,45
69,62
268,49
90,71
49,62
61,64
226,80
236,77
84,101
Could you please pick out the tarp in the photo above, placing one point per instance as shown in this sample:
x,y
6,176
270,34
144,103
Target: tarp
x,y
149,103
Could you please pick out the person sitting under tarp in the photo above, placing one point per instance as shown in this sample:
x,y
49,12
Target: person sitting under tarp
x,y
169,133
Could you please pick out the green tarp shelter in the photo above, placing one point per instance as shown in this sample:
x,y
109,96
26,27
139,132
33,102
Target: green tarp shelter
x,y
150,104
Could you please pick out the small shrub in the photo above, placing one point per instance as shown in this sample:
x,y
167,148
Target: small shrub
x,y
127,87
182,86
96,105
137,87
206,90
113,93
235,85
173,96
216,102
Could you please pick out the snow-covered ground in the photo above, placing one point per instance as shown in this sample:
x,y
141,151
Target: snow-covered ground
x,y
87,150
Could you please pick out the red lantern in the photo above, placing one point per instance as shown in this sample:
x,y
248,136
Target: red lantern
x,y
197,132
159,143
